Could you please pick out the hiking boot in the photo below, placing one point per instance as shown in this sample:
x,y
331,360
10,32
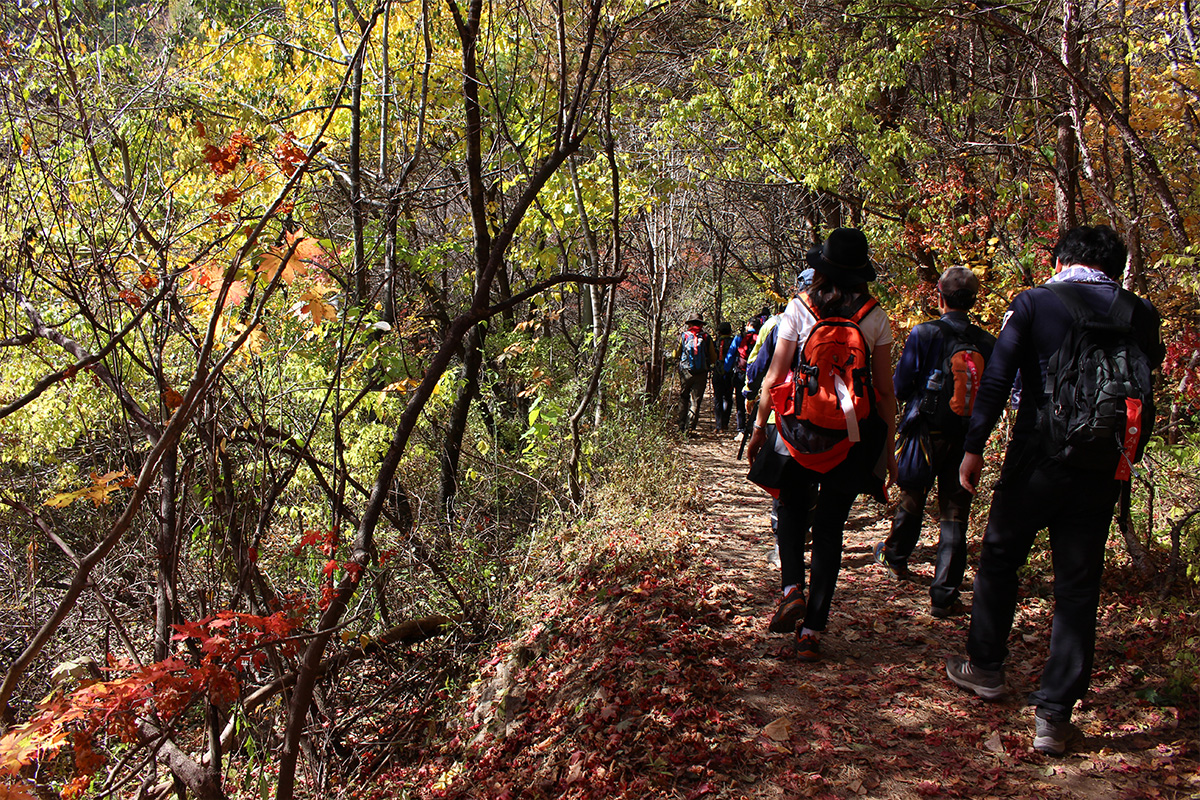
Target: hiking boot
x,y
1052,738
790,610
899,572
808,647
987,683
955,609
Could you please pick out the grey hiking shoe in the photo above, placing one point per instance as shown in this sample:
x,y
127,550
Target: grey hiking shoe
x,y
1052,738
987,683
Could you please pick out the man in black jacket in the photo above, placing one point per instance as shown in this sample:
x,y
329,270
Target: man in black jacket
x,y
1039,489
931,436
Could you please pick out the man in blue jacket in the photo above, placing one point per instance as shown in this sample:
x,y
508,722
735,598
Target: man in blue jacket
x,y
1039,488
932,439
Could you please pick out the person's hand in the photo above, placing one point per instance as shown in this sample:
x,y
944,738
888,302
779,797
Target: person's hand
x,y
970,470
893,468
758,437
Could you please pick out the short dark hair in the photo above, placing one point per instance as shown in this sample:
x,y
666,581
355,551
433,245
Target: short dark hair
x,y
959,287
1096,246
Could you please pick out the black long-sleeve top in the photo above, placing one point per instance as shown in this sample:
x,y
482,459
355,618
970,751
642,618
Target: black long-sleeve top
x,y
1034,327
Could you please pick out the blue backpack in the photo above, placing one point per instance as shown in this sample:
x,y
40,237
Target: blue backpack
x,y
693,355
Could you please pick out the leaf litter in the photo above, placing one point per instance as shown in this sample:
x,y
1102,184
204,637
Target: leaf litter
x,y
664,682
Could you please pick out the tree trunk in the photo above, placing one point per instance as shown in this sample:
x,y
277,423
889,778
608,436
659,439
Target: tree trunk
x,y
459,413
167,552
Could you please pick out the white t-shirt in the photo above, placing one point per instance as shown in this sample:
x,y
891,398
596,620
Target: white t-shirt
x,y
796,322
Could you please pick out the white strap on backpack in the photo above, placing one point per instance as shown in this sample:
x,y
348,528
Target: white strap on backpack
x,y
846,401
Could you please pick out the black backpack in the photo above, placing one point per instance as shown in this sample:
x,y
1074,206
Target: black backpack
x,y
1099,392
949,393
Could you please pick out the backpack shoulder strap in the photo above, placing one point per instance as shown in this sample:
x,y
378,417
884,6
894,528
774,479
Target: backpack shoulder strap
x,y
808,303
966,332
867,304
1069,296
1118,318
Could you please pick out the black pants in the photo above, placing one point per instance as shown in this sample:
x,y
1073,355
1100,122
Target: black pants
x,y
1077,508
836,491
954,506
739,383
722,398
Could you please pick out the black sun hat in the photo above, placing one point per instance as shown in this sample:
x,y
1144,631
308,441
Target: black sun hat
x,y
843,258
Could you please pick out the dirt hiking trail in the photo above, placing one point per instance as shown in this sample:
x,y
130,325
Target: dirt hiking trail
x,y
658,679
877,717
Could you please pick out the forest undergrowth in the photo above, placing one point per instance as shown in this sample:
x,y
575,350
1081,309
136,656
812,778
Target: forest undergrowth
x,y
642,668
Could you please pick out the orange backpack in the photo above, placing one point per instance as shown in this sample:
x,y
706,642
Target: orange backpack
x,y
820,407
949,393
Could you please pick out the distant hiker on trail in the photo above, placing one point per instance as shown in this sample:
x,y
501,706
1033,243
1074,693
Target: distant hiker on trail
x,y
1084,349
696,355
937,379
845,374
722,379
743,346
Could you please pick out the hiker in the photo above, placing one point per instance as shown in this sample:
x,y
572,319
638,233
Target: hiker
x,y
740,361
937,380
760,362
842,270
696,355
722,379
1068,485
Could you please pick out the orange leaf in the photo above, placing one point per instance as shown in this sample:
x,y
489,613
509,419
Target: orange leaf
x,y
15,791
288,155
228,197
148,280
208,277
102,486
130,298
172,399
311,303
305,251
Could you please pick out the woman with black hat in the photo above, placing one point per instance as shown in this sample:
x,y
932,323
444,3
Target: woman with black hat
x,y
842,270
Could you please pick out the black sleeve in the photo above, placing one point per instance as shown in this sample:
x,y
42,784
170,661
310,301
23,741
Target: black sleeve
x,y
999,373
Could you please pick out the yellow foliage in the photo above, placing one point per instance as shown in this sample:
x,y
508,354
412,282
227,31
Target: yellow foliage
x,y
102,486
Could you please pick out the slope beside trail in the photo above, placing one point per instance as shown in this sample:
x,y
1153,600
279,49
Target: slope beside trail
x,y
657,678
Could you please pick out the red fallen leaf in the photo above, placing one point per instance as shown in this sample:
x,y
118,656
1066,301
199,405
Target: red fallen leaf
x,y
700,791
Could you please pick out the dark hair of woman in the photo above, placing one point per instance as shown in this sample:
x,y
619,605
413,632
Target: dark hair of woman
x,y
830,298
